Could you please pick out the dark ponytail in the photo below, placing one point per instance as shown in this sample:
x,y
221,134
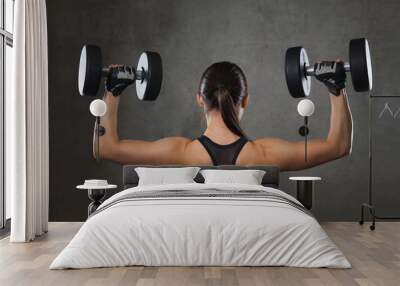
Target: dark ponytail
x,y
223,86
229,111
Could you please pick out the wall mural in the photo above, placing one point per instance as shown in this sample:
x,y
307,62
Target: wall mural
x,y
190,37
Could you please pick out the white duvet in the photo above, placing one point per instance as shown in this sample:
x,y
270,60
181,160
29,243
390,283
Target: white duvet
x,y
200,231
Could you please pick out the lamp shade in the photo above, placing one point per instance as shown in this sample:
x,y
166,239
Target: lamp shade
x,y
305,107
98,107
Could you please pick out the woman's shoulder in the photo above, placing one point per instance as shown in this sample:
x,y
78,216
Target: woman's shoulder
x,y
179,150
182,143
178,145
258,151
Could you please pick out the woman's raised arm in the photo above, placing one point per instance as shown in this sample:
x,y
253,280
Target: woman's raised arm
x,y
170,150
338,143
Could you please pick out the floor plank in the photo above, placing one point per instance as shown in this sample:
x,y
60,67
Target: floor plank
x,y
375,257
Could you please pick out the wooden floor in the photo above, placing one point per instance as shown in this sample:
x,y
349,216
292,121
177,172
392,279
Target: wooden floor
x,y
375,257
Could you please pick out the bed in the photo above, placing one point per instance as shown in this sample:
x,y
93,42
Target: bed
x,y
198,224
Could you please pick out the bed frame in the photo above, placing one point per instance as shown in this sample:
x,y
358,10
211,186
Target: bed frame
x,y
271,178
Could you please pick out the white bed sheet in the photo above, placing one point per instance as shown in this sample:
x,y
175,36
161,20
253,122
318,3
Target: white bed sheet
x,y
200,231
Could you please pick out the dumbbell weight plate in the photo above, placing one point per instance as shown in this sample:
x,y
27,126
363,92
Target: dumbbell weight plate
x,y
360,64
296,61
90,69
149,87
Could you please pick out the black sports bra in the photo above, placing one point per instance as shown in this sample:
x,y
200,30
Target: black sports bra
x,y
223,154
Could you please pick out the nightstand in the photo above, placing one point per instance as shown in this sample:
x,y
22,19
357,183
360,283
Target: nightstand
x,y
96,192
305,187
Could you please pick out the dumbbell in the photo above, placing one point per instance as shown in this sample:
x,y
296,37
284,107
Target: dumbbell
x,y
298,70
147,75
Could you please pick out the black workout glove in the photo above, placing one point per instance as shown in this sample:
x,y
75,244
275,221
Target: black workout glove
x,y
332,74
119,78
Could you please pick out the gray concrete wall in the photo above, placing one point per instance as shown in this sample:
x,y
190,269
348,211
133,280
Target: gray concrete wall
x,y
190,35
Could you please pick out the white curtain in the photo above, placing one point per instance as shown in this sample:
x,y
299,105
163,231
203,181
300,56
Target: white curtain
x,y
27,147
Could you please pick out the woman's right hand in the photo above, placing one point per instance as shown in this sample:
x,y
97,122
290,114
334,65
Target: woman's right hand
x,y
332,75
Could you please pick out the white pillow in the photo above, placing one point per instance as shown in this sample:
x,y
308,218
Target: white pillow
x,y
164,176
248,177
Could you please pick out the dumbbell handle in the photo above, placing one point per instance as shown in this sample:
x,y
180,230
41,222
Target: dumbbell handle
x,y
139,74
310,70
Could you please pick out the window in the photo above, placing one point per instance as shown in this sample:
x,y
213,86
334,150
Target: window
x,y
6,64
